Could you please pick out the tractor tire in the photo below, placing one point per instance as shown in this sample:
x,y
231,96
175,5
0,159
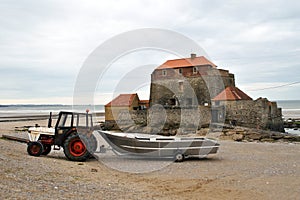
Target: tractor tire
x,y
47,149
76,148
35,148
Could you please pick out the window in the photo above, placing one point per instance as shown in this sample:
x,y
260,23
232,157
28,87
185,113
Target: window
x,y
180,71
189,101
164,72
180,86
65,120
194,70
172,102
84,120
81,120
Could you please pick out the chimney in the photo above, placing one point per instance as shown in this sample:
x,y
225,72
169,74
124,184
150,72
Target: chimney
x,y
193,55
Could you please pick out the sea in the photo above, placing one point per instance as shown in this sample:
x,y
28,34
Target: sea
x,y
290,109
33,109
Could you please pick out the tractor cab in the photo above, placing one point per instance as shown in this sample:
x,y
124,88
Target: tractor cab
x,y
70,122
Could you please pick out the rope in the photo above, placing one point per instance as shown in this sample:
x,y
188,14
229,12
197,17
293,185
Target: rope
x,y
273,87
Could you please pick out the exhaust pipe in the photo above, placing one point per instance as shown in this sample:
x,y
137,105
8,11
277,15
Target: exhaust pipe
x,y
50,120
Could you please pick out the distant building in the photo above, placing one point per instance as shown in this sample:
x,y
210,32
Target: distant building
x,y
228,99
118,110
239,109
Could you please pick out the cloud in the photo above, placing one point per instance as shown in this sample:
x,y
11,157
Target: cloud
x,y
43,44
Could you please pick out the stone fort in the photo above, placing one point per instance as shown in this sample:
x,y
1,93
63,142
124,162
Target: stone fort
x,y
193,92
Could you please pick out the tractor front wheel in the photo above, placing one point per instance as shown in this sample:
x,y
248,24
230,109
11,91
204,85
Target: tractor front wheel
x,y
35,148
75,147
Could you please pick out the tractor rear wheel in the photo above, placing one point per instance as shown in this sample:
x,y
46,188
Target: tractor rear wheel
x,y
75,147
35,148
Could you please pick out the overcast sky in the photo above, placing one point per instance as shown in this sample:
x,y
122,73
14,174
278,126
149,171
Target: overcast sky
x,y
43,44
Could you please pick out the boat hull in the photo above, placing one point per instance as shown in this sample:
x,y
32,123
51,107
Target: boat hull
x,y
159,146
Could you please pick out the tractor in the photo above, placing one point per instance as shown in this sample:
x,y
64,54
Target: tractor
x,y
73,132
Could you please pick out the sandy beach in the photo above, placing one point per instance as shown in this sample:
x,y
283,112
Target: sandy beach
x,y
240,170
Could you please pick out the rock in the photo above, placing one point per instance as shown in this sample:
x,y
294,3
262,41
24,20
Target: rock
x,y
225,137
254,136
230,133
242,132
173,132
277,137
202,132
267,140
292,138
94,170
237,137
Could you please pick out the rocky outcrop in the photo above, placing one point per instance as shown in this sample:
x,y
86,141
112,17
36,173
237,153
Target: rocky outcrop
x,y
221,132
246,134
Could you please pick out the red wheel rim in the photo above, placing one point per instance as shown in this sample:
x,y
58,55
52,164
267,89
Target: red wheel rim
x,y
76,147
35,149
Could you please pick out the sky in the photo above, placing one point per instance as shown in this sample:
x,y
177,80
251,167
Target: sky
x,y
44,44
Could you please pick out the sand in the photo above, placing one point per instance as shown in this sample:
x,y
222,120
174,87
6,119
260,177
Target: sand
x,y
239,171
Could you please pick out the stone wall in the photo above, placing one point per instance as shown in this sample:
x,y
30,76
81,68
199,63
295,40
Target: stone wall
x,y
162,120
127,118
261,114
174,118
192,90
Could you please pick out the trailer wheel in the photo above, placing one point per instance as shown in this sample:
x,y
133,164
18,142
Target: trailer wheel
x,y
179,157
35,148
47,149
75,147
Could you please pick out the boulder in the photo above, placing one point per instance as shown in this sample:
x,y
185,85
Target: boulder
x,y
230,133
267,140
277,137
292,138
202,131
225,137
254,136
238,137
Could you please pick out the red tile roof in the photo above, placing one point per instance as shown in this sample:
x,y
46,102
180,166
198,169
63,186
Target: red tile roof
x,y
144,101
232,94
186,62
122,100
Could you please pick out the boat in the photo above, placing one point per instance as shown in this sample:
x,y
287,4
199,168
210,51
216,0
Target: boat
x,y
146,145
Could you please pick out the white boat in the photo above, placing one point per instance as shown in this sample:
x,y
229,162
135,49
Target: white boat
x,y
136,144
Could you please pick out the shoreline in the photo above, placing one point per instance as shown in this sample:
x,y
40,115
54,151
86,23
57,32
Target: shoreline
x,y
34,116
